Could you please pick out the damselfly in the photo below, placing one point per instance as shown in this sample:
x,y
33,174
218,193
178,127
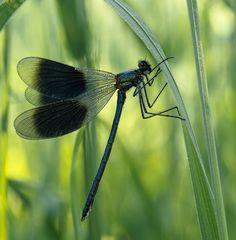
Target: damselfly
x,y
66,98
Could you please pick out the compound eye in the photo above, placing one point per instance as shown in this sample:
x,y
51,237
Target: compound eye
x,y
141,64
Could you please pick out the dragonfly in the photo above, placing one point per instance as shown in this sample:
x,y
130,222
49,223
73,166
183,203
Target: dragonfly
x,y
66,98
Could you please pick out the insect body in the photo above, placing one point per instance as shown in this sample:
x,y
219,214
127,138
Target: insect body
x,y
66,98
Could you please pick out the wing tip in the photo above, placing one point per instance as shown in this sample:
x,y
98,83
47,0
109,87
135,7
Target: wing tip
x,y
26,64
20,130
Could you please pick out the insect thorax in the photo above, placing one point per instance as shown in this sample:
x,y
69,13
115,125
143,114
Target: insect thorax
x,y
128,79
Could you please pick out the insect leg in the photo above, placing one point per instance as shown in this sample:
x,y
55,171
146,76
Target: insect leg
x,y
146,114
150,105
143,87
148,101
149,82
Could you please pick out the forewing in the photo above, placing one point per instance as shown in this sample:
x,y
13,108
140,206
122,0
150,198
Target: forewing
x,y
60,81
38,99
67,97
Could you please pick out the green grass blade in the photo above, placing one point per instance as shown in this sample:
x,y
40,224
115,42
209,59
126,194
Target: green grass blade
x,y
74,189
203,196
24,190
4,93
7,9
202,191
90,167
207,120
73,13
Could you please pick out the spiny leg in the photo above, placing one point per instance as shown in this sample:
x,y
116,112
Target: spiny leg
x,y
152,114
148,101
150,105
149,82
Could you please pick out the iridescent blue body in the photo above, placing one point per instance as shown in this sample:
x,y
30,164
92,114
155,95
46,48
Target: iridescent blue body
x,y
124,81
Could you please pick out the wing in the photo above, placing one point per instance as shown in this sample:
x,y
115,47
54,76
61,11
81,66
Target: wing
x,y
60,81
37,98
51,120
68,98
61,117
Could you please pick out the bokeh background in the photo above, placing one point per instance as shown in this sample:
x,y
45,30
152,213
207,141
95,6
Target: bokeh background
x,y
146,190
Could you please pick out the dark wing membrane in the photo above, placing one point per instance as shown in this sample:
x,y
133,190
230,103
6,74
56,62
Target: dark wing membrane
x,y
38,99
62,117
52,120
61,81
68,98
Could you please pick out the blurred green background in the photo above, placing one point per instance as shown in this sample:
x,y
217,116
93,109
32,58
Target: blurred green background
x,y
146,190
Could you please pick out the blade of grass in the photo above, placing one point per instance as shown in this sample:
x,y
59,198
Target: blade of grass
x,y
7,9
207,120
4,137
203,196
24,190
90,157
74,193
73,13
202,191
